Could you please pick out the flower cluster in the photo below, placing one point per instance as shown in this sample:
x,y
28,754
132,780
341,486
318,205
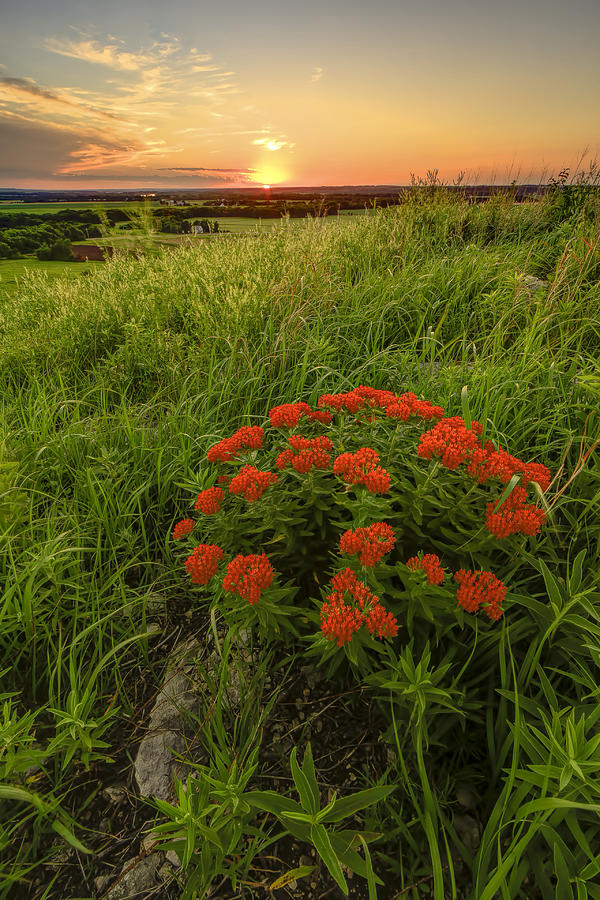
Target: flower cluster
x,y
430,564
251,483
515,516
351,401
183,528
408,405
203,564
372,542
306,453
289,414
249,437
487,462
479,588
451,441
455,444
341,619
361,468
210,500
374,397
248,576
401,407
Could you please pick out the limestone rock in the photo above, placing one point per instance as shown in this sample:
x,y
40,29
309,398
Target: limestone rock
x,y
141,878
155,764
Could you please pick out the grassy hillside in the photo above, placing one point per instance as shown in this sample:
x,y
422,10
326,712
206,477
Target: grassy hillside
x,y
114,386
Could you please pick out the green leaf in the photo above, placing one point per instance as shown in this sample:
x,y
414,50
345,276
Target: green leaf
x,y
303,787
577,572
308,767
466,411
563,886
343,843
292,875
507,491
552,585
370,873
271,802
69,837
348,806
322,844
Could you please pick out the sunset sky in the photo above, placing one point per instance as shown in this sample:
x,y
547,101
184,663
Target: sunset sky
x,y
161,93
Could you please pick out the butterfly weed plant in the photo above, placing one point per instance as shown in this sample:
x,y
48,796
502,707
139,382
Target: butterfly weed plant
x,y
392,541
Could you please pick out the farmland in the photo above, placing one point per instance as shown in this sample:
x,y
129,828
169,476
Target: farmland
x,y
136,229
12,271
473,730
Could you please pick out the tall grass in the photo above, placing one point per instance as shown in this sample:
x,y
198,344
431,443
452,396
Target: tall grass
x,y
113,389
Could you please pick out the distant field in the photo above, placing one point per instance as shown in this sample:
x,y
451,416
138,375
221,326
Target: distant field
x,y
40,208
11,270
138,239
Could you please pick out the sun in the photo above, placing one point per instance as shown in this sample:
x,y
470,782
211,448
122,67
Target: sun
x,y
267,187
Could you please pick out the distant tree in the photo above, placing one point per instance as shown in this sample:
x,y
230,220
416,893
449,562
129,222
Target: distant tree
x,y
61,250
8,252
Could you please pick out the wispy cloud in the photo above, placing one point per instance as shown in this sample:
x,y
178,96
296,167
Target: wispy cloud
x,y
223,175
113,54
317,74
272,144
94,156
28,92
148,97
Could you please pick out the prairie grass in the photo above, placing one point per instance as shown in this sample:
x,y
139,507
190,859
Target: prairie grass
x,y
114,386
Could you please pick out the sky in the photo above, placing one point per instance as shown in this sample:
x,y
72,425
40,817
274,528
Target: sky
x,y
175,93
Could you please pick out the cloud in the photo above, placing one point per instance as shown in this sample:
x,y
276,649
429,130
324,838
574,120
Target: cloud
x,y
272,144
202,169
224,176
113,55
149,96
21,142
98,155
317,74
28,92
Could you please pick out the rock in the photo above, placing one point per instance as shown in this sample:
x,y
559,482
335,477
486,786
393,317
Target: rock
x,y
468,831
533,284
165,873
115,793
155,765
148,844
138,876
466,797
156,606
101,883
172,858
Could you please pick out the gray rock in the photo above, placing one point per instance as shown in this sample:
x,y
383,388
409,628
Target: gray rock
x,y
467,829
533,284
155,764
101,883
140,876
115,793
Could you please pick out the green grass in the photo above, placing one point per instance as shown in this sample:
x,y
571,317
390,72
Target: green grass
x,y
6,206
114,386
14,271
